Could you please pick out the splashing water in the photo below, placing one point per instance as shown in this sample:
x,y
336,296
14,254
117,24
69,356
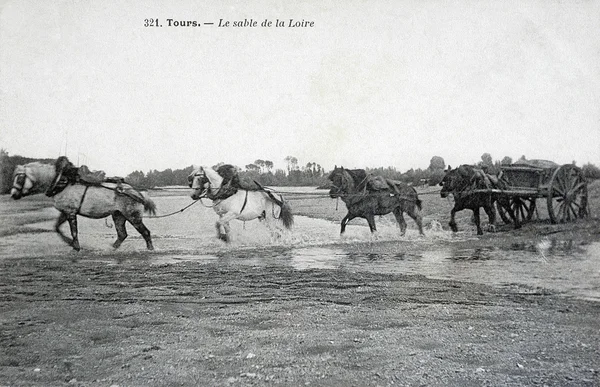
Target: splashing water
x,y
316,244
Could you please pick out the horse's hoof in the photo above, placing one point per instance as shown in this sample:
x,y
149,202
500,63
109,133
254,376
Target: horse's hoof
x,y
150,247
491,228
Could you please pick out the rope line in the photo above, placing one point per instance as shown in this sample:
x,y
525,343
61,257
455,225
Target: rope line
x,y
174,212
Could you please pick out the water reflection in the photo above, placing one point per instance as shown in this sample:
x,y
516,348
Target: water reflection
x,y
538,264
318,258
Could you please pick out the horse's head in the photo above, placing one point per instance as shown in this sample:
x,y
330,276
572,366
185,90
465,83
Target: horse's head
x,y
339,182
30,179
456,180
199,183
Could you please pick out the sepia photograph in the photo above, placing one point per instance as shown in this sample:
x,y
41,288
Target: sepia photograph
x,y
307,193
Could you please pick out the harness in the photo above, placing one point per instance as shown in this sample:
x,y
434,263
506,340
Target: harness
x,y
19,181
343,191
245,202
82,197
225,191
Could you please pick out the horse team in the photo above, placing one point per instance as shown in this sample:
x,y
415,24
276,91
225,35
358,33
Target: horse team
x,y
365,196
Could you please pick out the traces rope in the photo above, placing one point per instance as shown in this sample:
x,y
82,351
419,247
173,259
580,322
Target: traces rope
x,y
174,212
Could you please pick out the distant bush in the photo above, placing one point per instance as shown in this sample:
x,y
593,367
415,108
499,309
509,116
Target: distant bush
x,y
590,171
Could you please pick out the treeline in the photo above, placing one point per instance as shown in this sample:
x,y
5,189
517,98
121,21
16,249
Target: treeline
x,y
310,174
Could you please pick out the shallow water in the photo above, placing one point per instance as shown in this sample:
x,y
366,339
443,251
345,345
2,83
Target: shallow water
x,y
566,267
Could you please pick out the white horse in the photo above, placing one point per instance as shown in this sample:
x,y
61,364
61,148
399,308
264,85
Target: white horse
x,y
91,201
244,205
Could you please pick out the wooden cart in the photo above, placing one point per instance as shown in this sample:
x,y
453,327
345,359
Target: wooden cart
x,y
562,186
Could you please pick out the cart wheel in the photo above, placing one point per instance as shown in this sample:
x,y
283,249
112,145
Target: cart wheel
x,y
567,195
523,209
503,213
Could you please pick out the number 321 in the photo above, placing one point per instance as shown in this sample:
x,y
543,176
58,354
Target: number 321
x,y
151,23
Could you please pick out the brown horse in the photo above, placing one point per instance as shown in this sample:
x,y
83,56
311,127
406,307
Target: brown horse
x,y
91,201
364,200
472,190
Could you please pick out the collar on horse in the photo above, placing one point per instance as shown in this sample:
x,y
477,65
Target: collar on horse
x,y
226,191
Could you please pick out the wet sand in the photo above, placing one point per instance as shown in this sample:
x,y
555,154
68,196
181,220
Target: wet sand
x,y
510,308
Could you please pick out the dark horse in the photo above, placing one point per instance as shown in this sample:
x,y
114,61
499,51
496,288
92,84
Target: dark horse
x,y
366,196
472,190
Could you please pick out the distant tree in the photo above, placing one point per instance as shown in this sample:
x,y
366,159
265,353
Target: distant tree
x,y
590,171
180,176
5,172
260,164
506,161
136,179
486,160
292,163
437,163
252,168
268,165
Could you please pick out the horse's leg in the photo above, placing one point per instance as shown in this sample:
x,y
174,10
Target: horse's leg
x,y
62,218
73,224
220,235
400,220
414,212
371,220
227,230
224,222
345,221
136,221
452,223
119,221
491,213
477,220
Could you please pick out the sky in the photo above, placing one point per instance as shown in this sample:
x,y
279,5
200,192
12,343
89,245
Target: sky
x,y
371,84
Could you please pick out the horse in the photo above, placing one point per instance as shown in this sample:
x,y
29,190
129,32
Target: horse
x,y
461,182
244,204
90,201
353,186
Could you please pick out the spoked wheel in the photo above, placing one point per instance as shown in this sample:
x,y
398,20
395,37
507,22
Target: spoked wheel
x,y
567,195
522,208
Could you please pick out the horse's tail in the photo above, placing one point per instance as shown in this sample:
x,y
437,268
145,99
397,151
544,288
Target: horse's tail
x,y
286,215
149,205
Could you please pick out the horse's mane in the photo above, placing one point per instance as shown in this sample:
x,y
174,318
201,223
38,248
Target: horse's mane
x,y
213,176
358,175
476,177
